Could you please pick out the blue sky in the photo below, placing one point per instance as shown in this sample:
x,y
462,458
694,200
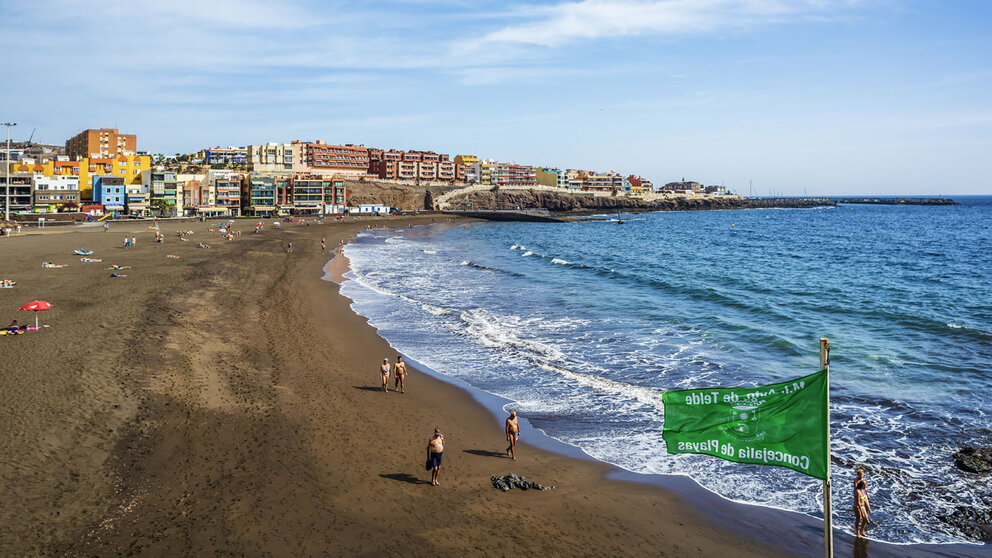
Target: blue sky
x,y
816,96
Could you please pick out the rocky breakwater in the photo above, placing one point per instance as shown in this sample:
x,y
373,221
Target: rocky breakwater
x,y
974,521
564,202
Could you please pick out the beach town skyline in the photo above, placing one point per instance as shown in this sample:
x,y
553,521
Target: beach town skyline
x,y
822,98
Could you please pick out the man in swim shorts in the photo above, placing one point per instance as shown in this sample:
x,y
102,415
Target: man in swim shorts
x,y
512,433
435,449
384,374
399,369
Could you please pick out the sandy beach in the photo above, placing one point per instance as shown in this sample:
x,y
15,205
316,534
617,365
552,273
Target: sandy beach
x,y
226,402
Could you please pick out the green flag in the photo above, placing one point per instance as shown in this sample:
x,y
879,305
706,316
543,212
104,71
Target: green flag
x,y
781,424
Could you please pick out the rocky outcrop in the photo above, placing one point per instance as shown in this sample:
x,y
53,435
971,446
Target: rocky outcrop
x,y
974,460
560,202
974,523
404,196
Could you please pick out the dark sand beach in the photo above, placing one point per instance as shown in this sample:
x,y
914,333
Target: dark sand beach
x,y
227,402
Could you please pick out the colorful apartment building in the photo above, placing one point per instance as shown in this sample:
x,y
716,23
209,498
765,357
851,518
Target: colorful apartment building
x,y
274,157
15,188
488,172
315,194
640,185
128,167
258,195
421,166
318,157
226,190
163,189
110,192
55,193
104,143
224,155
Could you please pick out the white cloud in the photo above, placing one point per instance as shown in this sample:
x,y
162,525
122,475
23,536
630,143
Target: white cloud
x,y
553,26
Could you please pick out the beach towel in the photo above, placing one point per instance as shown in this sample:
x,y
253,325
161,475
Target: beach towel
x,y
81,252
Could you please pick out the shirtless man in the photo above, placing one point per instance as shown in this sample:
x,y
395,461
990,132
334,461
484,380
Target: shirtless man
x,y
384,374
512,433
399,369
435,448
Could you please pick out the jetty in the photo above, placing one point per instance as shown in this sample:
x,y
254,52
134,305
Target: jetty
x,y
898,201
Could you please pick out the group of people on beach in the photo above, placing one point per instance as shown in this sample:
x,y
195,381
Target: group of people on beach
x,y
435,446
399,373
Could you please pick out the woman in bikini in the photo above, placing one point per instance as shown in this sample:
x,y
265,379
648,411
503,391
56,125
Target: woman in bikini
x,y
863,507
384,374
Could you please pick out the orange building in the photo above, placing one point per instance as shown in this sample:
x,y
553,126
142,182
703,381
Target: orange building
x,y
345,159
101,144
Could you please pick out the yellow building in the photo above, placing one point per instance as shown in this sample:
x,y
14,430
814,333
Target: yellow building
x,y
128,167
466,160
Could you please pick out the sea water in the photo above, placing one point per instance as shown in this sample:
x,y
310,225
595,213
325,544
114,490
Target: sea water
x,y
583,326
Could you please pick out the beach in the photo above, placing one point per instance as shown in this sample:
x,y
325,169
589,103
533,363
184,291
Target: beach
x,y
227,402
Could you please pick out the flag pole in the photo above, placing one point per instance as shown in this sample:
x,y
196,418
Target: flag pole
x,y
828,519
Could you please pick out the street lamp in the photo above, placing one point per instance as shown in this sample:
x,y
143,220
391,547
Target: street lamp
x,y
6,172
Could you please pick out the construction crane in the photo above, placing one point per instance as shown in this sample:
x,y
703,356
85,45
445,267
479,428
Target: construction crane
x,y
31,138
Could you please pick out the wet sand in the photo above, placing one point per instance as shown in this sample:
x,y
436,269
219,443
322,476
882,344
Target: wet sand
x,y
227,402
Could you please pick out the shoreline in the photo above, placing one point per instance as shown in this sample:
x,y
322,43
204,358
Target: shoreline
x,y
802,534
227,402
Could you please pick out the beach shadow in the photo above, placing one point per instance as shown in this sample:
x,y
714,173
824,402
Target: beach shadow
x,y
404,477
487,453
369,388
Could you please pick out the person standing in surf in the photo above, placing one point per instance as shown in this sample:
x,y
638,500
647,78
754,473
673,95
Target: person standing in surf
x,y
863,507
512,433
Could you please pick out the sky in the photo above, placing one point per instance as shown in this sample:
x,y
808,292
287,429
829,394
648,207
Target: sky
x,y
791,97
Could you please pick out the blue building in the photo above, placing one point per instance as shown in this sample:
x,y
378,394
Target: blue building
x,y
109,191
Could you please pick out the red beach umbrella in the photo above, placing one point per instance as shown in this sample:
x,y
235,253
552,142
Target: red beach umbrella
x,y
36,306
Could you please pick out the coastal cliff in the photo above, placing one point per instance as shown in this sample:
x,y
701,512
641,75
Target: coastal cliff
x,y
577,203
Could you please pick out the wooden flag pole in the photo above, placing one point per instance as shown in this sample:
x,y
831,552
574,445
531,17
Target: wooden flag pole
x,y
828,518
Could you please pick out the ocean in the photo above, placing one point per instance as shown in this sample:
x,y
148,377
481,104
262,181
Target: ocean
x,y
583,326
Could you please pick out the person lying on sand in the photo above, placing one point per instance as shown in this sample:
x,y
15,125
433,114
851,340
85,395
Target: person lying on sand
x,y
172,256
89,260
7,284
202,245
51,265
115,274
15,327
115,266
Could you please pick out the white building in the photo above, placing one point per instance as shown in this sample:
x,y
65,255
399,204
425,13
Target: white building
x,y
273,157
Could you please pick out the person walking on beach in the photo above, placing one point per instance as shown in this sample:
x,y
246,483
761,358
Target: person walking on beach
x,y
384,374
435,449
399,370
512,433
323,245
289,248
